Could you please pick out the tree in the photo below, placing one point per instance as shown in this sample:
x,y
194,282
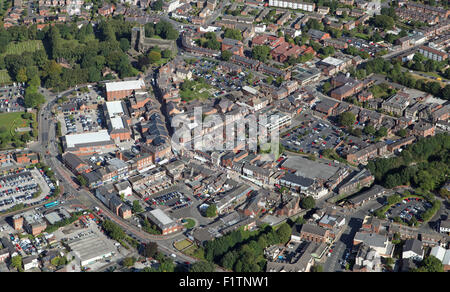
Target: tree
x,y
166,53
369,130
22,75
326,87
211,211
16,262
33,99
402,133
381,132
233,34
300,220
150,249
124,44
384,21
226,55
82,180
284,232
430,264
158,5
137,208
261,53
202,267
25,137
154,56
307,203
347,119
128,262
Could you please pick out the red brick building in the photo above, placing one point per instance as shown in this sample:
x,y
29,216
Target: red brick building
x,y
122,89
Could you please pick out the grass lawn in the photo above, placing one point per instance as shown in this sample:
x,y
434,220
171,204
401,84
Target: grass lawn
x,y
161,62
195,251
362,36
4,77
190,223
180,245
428,79
26,46
198,91
10,121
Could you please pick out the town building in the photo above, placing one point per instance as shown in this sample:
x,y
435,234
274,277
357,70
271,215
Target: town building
x,y
413,249
121,89
293,4
164,223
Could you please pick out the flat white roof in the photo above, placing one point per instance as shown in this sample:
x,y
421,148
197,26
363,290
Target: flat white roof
x,y
434,100
125,85
117,123
161,216
114,108
332,61
438,252
85,138
250,89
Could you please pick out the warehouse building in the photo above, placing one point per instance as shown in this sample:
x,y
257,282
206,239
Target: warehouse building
x,y
90,247
88,143
164,223
122,89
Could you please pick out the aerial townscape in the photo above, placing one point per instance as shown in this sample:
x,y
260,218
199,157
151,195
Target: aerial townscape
x,y
224,136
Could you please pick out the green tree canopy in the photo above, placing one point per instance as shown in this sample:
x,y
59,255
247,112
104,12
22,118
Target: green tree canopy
x,y
202,267
347,119
308,203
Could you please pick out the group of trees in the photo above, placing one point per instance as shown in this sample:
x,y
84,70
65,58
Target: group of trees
x,y
307,203
149,228
430,264
163,29
137,208
211,211
424,164
242,251
152,57
231,33
113,230
351,50
420,63
209,41
166,264
347,119
261,53
72,55
385,22
86,52
395,74
150,249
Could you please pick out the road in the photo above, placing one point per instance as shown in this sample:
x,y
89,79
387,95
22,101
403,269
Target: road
x,y
345,240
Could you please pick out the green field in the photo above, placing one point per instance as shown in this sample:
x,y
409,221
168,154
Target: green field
x,y
26,46
198,91
8,123
195,251
4,77
180,245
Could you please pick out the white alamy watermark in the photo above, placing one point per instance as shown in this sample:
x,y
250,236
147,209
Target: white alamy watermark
x,y
219,132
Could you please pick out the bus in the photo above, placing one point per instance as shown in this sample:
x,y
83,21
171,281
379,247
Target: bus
x,y
49,205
